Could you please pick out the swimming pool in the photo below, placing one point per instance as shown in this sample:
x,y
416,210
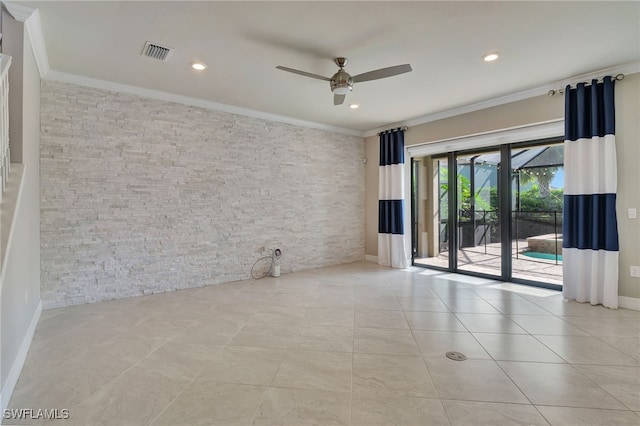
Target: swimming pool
x,y
546,256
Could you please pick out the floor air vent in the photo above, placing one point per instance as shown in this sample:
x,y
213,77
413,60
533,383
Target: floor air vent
x,y
155,51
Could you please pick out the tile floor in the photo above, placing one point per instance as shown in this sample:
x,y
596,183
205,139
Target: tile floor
x,y
349,345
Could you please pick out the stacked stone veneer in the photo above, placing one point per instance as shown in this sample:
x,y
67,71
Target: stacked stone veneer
x,y
142,196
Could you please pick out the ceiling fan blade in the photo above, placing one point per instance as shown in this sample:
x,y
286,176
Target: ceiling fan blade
x,y
338,99
382,73
306,74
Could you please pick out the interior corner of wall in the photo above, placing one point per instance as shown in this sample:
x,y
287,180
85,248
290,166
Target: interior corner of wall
x,y
37,43
371,258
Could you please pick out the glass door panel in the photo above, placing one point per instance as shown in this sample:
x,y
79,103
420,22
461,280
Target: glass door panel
x,y
478,213
537,182
431,209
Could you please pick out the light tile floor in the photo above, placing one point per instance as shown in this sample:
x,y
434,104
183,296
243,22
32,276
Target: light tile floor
x,y
349,345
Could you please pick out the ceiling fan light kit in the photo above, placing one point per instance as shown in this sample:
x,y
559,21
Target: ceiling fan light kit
x,y
341,89
341,82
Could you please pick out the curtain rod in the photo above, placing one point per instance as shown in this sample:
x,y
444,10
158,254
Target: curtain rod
x,y
552,92
405,128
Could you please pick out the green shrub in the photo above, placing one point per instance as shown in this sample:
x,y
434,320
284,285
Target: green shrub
x,y
530,200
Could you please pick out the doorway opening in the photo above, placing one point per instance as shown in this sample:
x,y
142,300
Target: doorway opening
x,y
495,212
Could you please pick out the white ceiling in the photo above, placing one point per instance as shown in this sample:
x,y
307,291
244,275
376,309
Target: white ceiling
x,y
242,42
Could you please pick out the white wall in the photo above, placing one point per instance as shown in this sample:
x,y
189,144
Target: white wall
x,y
142,196
20,282
627,95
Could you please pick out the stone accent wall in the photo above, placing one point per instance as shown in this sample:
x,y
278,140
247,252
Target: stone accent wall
x,y
141,196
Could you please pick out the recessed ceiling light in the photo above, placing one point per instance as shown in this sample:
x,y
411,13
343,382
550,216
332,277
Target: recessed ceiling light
x,y
354,106
492,56
198,66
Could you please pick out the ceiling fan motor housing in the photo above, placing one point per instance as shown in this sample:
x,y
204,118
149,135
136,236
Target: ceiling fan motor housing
x,y
342,82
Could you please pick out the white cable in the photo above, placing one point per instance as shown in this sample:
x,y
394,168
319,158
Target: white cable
x,y
275,254
266,273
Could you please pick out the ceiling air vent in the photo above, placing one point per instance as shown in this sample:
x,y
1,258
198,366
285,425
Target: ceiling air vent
x,y
155,51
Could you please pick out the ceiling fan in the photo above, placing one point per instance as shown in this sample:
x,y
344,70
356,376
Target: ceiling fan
x,y
342,83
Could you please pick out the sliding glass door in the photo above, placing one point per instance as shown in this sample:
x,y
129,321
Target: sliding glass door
x,y
495,212
478,213
430,212
536,220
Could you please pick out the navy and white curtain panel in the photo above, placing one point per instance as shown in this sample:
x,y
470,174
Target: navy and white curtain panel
x,y
590,230
391,242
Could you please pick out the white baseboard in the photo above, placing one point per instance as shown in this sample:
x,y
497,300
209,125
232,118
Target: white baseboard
x,y
629,303
370,258
18,363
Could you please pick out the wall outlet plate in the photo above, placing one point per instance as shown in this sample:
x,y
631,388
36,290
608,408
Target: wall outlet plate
x,y
634,271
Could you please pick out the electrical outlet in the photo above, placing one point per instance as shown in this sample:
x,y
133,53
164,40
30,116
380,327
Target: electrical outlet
x,y
632,213
634,271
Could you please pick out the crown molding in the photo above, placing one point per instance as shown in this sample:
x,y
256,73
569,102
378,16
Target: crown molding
x,y
34,29
630,68
31,19
187,100
19,12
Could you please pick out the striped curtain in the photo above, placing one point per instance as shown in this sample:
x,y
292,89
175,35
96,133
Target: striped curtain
x,y
590,230
391,242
